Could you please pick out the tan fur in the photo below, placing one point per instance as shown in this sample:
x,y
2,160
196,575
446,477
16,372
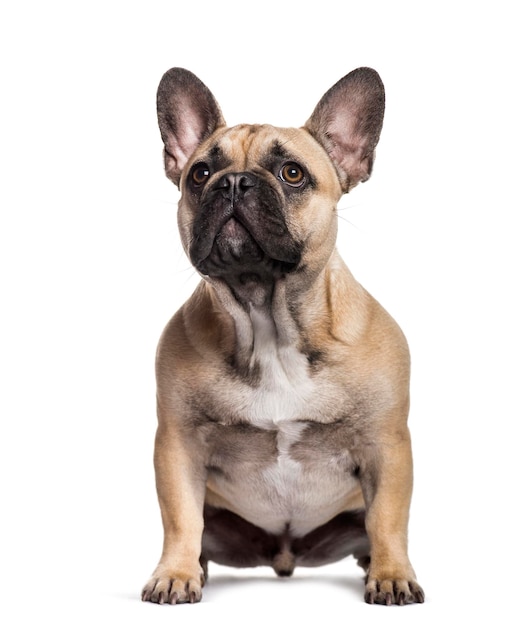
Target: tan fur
x,y
282,402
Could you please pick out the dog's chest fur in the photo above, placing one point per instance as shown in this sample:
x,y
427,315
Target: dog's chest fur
x,y
277,464
286,389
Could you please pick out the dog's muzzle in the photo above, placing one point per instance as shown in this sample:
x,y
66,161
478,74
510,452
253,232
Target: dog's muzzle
x,y
240,228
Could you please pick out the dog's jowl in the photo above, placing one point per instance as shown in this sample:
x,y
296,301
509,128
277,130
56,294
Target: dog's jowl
x,y
282,385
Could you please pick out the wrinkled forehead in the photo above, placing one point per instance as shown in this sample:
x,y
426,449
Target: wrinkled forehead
x,y
247,146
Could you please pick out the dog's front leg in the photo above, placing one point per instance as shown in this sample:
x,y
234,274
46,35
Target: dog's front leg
x,y
387,485
181,485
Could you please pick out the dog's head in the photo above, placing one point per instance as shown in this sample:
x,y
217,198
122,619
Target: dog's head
x,y
259,202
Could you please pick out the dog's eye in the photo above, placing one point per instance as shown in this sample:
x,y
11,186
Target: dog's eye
x,y
200,173
292,174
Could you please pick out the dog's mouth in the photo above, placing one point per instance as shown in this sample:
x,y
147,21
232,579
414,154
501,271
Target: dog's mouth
x,y
235,253
232,245
243,234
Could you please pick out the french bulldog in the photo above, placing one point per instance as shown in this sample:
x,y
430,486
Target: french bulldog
x,y
282,385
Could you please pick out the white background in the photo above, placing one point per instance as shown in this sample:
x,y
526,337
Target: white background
x,y
91,269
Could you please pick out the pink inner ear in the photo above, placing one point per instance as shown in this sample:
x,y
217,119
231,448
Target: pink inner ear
x,y
348,152
183,145
345,131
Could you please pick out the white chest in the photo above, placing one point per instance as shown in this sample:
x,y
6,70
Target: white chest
x,y
285,488
285,390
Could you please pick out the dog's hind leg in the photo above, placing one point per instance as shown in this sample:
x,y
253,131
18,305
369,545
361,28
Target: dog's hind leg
x,y
342,536
228,539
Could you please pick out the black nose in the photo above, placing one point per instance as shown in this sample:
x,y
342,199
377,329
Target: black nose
x,y
235,184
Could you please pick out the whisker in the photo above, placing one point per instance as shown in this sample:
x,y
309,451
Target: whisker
x,y
348,221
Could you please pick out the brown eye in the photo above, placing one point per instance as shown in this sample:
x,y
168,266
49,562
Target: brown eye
x,y
200,173
292,174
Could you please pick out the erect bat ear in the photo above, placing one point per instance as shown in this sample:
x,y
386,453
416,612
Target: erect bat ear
x,y
347,122
187,114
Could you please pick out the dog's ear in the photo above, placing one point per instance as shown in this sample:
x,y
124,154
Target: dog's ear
x,y
347,121
187,114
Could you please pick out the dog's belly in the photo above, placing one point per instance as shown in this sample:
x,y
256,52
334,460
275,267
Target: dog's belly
x,y
290,478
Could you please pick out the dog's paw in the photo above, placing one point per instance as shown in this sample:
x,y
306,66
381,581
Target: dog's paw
x,y
174,587
393,591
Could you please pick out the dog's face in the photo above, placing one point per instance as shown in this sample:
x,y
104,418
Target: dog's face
x,y
259,202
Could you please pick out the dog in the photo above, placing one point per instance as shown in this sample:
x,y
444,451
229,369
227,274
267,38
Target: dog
x,y
282,385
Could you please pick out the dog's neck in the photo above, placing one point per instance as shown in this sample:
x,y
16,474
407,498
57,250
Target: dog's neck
x,y
260,315
290,315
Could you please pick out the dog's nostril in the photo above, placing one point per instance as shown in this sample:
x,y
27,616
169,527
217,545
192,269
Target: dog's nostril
x,y
224,183
246,181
